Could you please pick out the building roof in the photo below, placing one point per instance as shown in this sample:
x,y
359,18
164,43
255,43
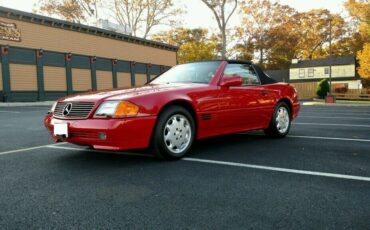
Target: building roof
x,y
61,24
350,60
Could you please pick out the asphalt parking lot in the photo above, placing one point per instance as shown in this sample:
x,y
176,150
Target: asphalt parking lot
x,y
317,178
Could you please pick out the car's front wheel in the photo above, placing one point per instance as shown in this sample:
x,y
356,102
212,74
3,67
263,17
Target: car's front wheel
x,y
174,133
280,122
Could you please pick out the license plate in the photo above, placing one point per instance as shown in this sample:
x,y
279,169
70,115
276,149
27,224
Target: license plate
x,y
61,130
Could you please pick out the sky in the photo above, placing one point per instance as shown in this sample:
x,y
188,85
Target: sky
x,y
198,14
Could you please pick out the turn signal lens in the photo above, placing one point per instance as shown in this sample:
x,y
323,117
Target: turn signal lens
x,y
125,108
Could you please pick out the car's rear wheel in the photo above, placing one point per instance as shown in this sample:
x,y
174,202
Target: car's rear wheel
x,y
174,133
280,122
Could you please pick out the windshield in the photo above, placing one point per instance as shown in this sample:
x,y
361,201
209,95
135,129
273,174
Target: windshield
x,y
201,72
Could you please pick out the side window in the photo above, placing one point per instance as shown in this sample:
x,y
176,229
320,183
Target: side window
x,y
243,70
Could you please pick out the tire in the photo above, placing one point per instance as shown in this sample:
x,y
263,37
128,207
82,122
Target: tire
x,y
280,122
174,133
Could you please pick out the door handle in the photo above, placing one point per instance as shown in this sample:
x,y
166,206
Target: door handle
x,y
264,93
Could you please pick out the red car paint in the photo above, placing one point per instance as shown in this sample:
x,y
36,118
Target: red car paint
x,y
218,110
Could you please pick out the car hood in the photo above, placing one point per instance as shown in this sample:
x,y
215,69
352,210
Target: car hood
x,y
125,93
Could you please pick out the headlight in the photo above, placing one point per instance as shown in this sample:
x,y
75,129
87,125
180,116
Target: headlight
x,y
107,108
53,107
117,109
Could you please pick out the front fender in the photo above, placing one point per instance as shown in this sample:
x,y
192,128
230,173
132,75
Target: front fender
x,y
154,104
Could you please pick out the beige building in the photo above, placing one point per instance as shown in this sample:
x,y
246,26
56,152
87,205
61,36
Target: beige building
x,y
44,58
343,71
306,74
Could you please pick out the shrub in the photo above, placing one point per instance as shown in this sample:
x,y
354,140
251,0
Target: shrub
x,y
322,88
365,82
341,88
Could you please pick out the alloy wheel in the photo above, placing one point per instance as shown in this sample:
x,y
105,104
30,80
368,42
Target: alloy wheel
x,y
177,134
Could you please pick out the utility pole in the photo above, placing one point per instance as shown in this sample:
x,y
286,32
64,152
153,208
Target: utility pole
x,y
330,55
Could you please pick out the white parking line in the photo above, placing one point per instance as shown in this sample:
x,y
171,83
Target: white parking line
x,y
276,169
335,113
329,138
9,112
29,149
261,167
325,124
98,151
347,109
295,171
333,117
314,137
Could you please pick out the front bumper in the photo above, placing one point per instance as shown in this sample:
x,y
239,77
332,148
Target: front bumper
x,y
121,134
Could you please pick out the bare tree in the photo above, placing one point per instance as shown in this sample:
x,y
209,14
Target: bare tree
x,y
220,10
142,15
71,10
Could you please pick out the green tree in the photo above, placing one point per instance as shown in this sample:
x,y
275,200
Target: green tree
x,y
322,88
196,51
194,44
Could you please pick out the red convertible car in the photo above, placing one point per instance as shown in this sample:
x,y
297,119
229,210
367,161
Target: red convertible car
x,y
187,103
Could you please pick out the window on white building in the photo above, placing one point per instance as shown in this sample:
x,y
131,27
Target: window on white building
x,y
311,72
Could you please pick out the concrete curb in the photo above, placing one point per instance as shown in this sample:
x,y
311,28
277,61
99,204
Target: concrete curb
x,y
25,104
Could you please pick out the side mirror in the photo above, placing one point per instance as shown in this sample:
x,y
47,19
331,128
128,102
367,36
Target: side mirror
x,y
231,81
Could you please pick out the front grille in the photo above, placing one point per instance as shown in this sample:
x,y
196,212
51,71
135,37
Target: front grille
x,y
78,110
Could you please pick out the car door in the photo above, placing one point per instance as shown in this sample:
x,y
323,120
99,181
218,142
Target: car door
x,y
268,96
239,106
